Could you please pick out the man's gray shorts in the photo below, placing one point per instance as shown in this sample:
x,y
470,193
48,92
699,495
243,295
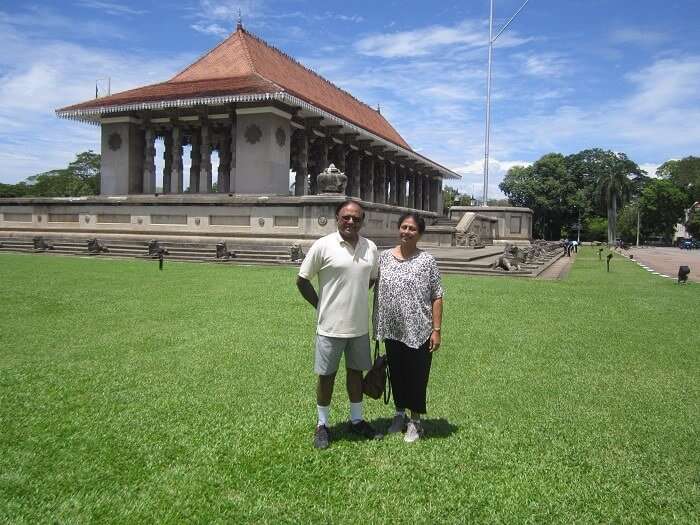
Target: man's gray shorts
x,y
329,350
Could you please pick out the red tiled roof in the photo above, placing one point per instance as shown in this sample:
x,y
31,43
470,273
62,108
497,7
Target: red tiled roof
x,y
244,64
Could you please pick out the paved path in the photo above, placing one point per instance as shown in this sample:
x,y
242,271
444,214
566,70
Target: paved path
x,y
559,269
665,261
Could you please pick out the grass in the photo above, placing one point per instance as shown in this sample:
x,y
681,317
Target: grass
x,y
133,395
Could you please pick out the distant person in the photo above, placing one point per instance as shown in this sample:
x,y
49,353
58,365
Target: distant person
x,y
408,318
346,266
575,245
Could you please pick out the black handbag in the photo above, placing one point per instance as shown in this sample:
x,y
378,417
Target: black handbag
x,y
376,381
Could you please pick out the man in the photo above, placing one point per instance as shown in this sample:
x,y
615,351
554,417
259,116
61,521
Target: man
x,y
346,265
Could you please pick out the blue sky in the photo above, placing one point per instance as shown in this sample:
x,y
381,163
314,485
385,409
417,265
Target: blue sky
x,y
568,75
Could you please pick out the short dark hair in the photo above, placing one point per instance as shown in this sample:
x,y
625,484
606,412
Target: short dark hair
x,y
347,202
420,222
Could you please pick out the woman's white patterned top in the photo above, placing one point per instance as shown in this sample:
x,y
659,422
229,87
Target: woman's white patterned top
x,y
403,298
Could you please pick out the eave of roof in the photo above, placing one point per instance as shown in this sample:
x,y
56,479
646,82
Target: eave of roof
x,y
263,73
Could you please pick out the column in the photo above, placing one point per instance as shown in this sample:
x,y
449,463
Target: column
x,y
370,178
426,192
176,170
338,156
411,188
380,194
232,164
301,162
205,162
393,183
401,186
149,162
223,181
354,179
440,202
418,195
167,161
195,159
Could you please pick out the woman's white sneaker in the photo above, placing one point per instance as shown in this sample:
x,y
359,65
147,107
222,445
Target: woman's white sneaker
x,y
414,431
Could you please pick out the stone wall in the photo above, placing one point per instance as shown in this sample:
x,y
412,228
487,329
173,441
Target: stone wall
x,y
512,224
255,220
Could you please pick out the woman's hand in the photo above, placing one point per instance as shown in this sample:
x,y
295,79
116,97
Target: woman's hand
x,y
435,341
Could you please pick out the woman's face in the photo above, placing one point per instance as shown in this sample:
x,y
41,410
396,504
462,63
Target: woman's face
x,y
408,231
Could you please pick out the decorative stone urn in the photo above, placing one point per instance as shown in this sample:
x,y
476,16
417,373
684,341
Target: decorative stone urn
x,y
332,180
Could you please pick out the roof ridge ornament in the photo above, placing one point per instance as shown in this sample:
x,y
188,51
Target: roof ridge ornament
x,y
239,24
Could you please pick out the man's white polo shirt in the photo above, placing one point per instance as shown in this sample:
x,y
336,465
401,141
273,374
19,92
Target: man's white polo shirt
x,y
343,273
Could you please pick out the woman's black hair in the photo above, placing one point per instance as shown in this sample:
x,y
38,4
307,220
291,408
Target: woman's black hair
x,y
420,222
346,203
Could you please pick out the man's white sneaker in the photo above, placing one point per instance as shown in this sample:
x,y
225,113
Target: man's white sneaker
x,y
398,424
414,431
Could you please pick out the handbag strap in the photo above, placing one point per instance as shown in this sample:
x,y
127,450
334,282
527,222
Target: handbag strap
x,y
387,387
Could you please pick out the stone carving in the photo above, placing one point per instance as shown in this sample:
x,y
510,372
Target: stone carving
x,y
514,257
155,249
322,221
41,244
261,221
281,137
222,251
469,240
295,252
115,141
253,134
502,263
96,247
332,180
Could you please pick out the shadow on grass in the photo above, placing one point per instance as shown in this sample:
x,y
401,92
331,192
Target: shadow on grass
x,y
434,429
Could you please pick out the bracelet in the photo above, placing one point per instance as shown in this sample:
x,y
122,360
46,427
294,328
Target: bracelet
x,y
437,329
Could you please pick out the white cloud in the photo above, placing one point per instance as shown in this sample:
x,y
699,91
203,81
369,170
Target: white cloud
x,y
638,37
421,42
211,29
111,8
425,41
545,64
41,75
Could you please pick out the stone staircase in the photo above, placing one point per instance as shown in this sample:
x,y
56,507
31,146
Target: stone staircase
x,y
177,251
453,260
480,261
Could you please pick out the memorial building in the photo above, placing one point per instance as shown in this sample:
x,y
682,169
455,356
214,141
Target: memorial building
x,y
268,118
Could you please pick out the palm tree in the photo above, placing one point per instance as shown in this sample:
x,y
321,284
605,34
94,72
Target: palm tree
x,y
615,187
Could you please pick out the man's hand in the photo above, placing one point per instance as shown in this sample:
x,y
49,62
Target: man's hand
x,y
307,291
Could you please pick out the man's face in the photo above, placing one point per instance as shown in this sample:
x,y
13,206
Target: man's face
x,y
350,220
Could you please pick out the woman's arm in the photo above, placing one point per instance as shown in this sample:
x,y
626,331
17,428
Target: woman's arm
x,y
435,337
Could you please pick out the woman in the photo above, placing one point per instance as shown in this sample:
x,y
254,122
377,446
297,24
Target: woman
x,y
408,317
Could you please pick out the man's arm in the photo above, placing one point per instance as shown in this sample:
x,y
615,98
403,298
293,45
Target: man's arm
x,y
307,291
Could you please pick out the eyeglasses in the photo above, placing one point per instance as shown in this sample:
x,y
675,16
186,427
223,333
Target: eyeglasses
x,y
350,218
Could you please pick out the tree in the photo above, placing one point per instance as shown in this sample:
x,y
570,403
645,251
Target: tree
x,y
595,229
13,190
449,196
663,206
627,222
86,167
547,188
81,177
685,174
613,177
693,224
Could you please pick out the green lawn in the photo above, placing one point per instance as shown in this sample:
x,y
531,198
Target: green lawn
x,y
187,395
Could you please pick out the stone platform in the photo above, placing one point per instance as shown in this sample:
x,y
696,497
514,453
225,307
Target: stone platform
x,y
450,259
